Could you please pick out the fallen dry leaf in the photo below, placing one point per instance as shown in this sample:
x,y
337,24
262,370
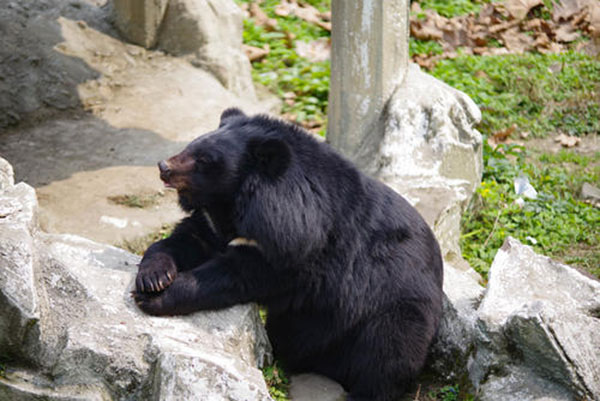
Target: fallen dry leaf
x,y
520,8
567,141
306,12
510,24
255,53
316,50
260,18
565,9
503,135
566,33
517,41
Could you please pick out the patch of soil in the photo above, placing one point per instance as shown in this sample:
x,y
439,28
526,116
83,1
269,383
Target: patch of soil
x,y
589,145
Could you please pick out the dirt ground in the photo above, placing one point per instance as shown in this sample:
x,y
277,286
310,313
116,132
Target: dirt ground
x,y
94,116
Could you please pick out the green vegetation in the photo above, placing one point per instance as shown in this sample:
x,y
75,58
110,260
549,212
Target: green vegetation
x,y
540,93
136,200
283,71
556,223
277,382
453,8
446,393
417,46
140,244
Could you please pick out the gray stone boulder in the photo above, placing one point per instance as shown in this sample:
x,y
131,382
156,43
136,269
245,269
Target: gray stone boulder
x,y
311,387
532,334
208,33
539,330
70,330
431,153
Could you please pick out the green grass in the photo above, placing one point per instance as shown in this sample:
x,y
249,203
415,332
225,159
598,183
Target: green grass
x,y
140,201
277,382
428,47
452,8
556,223
139,245
522,90
283,71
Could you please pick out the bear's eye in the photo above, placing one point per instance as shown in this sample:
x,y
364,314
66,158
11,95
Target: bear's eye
x,y
203,159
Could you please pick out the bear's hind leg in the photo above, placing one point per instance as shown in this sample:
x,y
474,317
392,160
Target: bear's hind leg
x,y
389,352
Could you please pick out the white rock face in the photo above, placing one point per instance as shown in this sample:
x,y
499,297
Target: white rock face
x,y
430,152
539,318
66,313
208,33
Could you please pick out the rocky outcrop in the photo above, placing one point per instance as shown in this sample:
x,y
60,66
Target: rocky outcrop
x,y
208,33
85,117
533,334
539,330
70,330
431,152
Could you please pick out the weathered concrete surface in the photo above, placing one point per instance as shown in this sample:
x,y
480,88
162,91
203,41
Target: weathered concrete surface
x,y
368,61
67,315
95,116
139,20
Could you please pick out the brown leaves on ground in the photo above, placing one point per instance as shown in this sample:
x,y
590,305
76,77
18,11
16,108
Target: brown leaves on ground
x,y
255,53
510,27
304,11
317,50
504,137
567,141
287,8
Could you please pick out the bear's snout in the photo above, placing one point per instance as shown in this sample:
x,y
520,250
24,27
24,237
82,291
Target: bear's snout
x,y
165,171
175,172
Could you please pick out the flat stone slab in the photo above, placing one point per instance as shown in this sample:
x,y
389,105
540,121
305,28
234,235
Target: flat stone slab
x,y
311,387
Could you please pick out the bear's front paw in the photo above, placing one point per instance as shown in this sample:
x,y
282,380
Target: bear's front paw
x,y
156,273
150,303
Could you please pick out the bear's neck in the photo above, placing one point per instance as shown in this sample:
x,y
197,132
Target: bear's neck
x,y
220,220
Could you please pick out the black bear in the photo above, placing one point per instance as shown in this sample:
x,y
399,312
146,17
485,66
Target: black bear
x,y
349,272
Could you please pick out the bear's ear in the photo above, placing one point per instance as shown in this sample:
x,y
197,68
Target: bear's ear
x,y
229,113
270,156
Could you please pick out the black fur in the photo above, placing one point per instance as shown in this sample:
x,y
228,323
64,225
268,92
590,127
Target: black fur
x,y
350,273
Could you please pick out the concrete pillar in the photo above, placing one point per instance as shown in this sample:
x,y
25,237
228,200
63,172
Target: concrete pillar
x,y
369,59
139,20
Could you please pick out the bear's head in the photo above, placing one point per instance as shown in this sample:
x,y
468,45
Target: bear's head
x,y
259,172
211,168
